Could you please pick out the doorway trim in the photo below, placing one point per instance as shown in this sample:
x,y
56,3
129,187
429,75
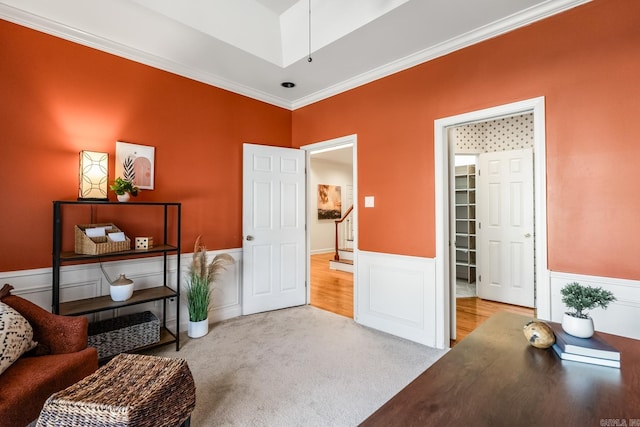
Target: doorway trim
x,y
442,166
336,143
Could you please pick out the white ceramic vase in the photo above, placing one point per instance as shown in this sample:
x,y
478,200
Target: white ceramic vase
x,y
198,329
121,289
124,197
581,328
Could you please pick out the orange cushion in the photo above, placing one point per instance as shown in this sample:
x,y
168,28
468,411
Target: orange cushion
x,y
28,383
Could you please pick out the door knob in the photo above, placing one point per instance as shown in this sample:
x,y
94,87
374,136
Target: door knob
x,y
249,237
527,235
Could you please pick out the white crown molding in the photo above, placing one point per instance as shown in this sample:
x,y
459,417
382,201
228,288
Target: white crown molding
x,y
497,28
487,32
84,38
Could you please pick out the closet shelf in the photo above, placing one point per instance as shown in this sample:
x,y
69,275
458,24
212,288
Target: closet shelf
x,y
465,223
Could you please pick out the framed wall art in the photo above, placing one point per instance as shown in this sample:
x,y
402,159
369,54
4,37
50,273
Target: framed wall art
x,y
329,201
135,163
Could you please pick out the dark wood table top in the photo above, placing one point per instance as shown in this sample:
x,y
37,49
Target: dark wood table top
x,y
494,377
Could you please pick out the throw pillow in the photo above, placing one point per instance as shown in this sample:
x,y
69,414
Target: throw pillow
x,y
16,336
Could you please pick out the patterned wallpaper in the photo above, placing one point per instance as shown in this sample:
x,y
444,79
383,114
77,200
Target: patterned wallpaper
x,y
508,133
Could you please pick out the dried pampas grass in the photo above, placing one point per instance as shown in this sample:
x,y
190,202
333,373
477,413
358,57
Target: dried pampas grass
x,y
201,276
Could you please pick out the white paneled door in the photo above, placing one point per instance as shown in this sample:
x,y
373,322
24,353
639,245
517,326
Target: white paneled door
x,y
273,228
505,228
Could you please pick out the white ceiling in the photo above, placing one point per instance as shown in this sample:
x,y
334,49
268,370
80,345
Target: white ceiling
x,y
251,46
342,154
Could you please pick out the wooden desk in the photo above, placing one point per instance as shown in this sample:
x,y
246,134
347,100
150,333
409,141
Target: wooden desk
x,y
495,378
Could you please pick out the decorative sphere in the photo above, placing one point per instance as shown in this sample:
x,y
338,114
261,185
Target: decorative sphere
x,y
539,334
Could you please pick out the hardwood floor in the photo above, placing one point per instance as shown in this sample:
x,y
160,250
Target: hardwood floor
x,y
472,311
332,290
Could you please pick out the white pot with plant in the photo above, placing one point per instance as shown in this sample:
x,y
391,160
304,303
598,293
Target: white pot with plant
x,y
124,189
578,299
202,276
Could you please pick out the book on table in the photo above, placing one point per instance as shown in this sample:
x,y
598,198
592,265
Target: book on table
x,y
588,347
585,359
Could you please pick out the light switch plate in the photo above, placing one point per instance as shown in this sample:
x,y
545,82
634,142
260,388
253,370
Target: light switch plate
x,y
369,201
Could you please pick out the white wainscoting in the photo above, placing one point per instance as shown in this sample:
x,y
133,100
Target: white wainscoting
x,y
622,317
86,280
396,294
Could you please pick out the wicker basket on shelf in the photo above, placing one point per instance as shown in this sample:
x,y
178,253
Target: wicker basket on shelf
x,y
98,245
124,333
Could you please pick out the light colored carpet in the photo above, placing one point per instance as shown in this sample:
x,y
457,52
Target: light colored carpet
x,y
300,366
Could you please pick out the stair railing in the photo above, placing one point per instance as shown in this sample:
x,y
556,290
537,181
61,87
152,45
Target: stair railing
x,y
336,257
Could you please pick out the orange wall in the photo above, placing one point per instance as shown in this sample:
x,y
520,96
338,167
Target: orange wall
x,y
58,98
586,62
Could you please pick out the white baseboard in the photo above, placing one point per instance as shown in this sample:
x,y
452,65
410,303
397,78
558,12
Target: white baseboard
x,y
87,280
340,266
322,251
620,318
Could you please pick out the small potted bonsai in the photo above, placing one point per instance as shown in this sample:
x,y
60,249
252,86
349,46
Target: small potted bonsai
x,y
578,299
201,277
124,189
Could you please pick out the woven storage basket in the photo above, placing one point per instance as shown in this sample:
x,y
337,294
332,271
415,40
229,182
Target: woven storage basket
x,y
98,245
124,333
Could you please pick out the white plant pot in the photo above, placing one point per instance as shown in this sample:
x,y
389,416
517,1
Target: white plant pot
x,y
124,197
198,329
581,328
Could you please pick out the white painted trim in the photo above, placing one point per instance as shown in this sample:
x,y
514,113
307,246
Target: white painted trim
x,y
397,296
620,318
494,29
502,26
441,169
84,38
343,141
321,251
86,280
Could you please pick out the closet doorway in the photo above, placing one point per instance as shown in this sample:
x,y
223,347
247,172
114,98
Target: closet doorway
x,y
493,205
445,150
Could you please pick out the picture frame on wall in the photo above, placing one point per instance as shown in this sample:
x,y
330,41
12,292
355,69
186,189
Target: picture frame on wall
x,y
329,201
136,163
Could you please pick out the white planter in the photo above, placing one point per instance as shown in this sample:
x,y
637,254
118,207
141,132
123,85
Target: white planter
x,y
581,328
198,329
124,197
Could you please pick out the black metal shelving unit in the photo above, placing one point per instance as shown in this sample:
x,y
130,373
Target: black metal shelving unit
x,y
103,303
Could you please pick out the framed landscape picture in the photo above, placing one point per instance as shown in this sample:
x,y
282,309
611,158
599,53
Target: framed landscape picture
x,y
135,163
329,201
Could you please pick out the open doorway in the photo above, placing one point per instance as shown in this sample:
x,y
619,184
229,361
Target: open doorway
x,y
331,219
492,200
444,172
494,209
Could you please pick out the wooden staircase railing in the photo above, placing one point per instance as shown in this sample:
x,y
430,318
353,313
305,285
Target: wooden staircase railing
x,y
336,257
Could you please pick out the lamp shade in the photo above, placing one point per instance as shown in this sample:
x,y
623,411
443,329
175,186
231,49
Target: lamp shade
x,y
93,175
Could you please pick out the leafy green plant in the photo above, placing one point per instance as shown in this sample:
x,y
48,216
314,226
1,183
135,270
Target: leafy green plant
x,y
121,186
198,298
581,298
201,277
